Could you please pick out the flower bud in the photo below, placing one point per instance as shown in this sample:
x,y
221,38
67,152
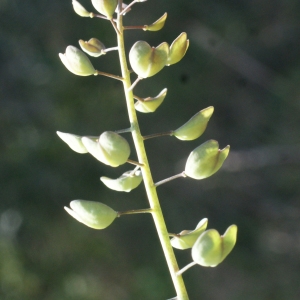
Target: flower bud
x,y
111,148
192,129
79,9
77,62
157,25
93,47
187,238
151,104
146,61
127,182
178,49
73,141
205,160
210,249
92,214
105,7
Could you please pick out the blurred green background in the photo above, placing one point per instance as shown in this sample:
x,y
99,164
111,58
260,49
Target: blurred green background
x,y
244,59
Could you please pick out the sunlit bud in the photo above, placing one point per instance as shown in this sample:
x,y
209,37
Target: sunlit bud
x,y
73,141
77,62
93,47
151,104
210,249
192,129
178,49
92,214
146,61
187,238
111,148
127,182
157,25
205,160
105,7
79,9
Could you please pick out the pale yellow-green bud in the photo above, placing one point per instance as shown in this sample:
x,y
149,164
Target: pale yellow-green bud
x,y
205,160
73,141
77,62
210,249
187,238
111,148
146,61
127,182
194,128
151,104
92,214
79,9
157,25
178,49
105,7
93,47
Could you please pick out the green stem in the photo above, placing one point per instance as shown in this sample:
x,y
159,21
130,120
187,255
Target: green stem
x,y
154,135
109,75
110,49
130,161
186,268
134,27
134,211
147,176
170,179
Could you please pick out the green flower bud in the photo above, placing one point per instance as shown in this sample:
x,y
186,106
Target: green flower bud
x,y
92,214
77,62
79,9
151,104
192,129
73,141
105,7
157,25
210,249
146,61
127,182
93,47
205,160
187,238
178,49
111,148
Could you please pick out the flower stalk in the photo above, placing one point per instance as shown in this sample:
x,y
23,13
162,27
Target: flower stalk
x,y
146,172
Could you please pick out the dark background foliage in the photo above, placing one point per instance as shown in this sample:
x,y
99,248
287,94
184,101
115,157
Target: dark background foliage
x,y
243,59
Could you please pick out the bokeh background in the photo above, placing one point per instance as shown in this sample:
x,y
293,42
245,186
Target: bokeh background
x,y
244,59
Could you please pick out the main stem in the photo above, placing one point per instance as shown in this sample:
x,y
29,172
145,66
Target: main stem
x,y
148,181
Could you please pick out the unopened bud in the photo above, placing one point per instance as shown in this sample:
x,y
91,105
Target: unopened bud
x,y
151,104
93,47
111,148
77,62
146,61
194,128
187,238
178,49
127,182
210,249
157,25
92,214
79,9
205,160
105,7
